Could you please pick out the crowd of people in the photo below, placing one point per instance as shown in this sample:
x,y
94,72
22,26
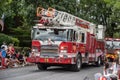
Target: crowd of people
x,y
10,57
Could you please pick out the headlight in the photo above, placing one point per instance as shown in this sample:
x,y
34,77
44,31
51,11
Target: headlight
x,y
37,54
63,51
118,52
34,50
63,55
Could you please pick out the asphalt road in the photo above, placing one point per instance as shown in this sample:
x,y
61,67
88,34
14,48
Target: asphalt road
x,y
52,73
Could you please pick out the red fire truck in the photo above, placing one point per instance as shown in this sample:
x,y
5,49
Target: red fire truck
x,y
112,48
62,39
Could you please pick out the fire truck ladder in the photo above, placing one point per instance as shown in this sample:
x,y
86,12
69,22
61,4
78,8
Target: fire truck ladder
x,y
56,17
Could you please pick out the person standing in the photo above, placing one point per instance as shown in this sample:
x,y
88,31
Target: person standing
x,y
114,67
106,67
4,45
3,56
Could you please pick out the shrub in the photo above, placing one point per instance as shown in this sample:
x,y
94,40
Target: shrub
x,y
8,39
23,50
15,41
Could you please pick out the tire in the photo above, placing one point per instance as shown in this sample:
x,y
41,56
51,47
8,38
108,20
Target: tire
x,y
98,63
41,66
77,66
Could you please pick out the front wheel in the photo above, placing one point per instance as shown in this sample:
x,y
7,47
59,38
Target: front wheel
x,y
77,66
41,66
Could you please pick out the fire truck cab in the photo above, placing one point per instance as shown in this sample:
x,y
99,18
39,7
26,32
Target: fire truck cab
x,y
61,39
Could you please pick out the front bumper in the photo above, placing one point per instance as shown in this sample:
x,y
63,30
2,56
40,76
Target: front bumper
x,y
57,60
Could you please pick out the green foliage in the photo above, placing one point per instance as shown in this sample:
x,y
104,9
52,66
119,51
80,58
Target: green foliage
x,y
114,18
117,35
23,50
8,39
15,41
18,49
19,15
5,38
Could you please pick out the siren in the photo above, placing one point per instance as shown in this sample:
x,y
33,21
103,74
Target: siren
x,y
40,11
50,12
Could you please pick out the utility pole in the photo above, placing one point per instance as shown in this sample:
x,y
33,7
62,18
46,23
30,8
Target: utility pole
x,y
77,3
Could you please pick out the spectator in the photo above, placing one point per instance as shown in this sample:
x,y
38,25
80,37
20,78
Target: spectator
x,y
106,67
24,57
4,45
28,52
9,62
0,59
11,49
97,76
114,67
20,57
12,61
3,56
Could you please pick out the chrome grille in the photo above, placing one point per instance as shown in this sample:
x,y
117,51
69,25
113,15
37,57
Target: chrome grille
x,y
49,50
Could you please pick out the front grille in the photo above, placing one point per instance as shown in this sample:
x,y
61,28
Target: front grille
x,y
49,50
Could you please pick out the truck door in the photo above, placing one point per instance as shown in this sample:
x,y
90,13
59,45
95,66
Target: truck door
x,y
82,41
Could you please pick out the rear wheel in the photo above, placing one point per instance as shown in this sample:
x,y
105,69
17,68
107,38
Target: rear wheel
x,y
98,63
41,66
77,66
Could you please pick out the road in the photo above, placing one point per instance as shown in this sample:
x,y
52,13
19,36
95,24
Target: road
x,y
52,73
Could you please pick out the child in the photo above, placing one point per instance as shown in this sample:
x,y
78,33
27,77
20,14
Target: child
x,y
106,67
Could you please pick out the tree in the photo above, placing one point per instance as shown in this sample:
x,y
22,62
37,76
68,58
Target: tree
x,y
19,14
114,5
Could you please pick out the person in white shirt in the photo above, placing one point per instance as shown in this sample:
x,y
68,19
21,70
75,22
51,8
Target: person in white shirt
x,y
114,68
4,45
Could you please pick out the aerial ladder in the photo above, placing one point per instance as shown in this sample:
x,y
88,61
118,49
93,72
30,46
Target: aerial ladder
x,y
52,16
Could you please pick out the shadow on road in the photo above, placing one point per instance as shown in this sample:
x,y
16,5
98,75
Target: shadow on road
x,y
64,69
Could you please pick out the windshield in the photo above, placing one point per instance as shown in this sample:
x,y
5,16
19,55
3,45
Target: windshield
x,y
53,34
113,44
